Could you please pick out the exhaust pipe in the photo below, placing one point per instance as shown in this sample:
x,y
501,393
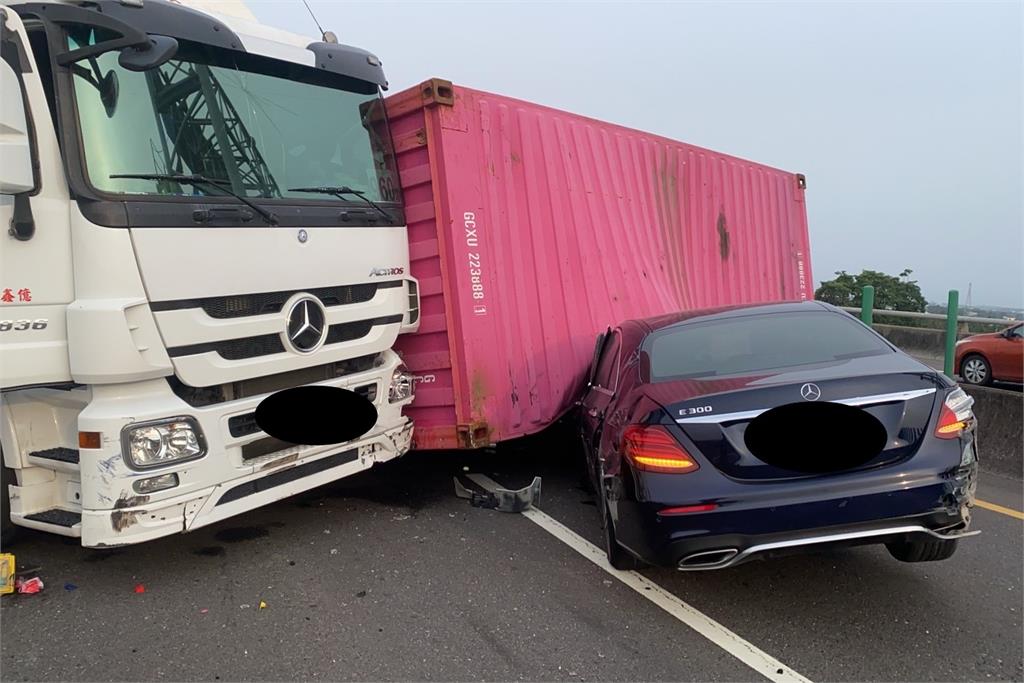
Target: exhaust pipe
x,y
708,559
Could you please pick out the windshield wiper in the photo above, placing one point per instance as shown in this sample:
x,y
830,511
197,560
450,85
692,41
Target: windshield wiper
x,y
340,193
191,179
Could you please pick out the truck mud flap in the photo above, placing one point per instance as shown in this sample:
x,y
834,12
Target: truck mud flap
x,y
502,500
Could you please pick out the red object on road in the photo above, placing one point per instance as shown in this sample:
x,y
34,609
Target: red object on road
x,y
533,229
28,586
139,588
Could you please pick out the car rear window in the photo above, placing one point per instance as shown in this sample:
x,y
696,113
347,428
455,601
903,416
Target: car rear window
x,y
754,343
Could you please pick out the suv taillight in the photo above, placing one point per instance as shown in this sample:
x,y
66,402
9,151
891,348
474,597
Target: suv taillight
x,y
653,449
956,414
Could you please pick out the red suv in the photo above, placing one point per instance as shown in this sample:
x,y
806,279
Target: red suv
x,y
999,356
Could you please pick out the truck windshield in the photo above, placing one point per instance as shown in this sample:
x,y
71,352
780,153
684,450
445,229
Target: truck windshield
x,y
260,130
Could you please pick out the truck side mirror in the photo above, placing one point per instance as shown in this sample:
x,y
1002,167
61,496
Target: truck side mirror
x,y
16,174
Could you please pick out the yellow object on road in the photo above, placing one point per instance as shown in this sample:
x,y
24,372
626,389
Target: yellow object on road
x,y
6,573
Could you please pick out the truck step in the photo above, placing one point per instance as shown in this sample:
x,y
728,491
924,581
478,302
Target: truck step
x,y
56,516
68,455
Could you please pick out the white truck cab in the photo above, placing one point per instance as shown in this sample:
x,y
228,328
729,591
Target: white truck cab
x,y
181,194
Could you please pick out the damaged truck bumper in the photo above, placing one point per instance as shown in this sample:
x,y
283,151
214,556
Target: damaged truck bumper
x,y
137,518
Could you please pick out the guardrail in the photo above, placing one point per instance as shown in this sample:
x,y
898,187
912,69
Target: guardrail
x,y
952,318
934,316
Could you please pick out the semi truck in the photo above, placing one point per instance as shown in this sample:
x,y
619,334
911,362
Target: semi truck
x,y
198,212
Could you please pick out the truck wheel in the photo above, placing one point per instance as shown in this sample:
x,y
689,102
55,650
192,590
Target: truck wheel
x,y
975,369
8,531
931,550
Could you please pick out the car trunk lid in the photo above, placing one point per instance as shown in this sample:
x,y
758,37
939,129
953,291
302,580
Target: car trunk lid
x,y
717,422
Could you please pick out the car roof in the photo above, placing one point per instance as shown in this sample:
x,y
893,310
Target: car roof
x,y
725,312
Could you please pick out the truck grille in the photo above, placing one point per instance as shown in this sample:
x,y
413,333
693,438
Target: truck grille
x,y
244,425
263,303
211,395
267,344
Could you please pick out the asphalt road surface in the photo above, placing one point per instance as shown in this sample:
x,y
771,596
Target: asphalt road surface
x,y
389,576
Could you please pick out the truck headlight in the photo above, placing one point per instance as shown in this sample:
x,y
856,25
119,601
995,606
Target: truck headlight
x,y
401,385
162,442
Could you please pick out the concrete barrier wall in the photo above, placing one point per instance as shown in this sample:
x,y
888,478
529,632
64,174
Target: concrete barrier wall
x,y
917,341
1000,430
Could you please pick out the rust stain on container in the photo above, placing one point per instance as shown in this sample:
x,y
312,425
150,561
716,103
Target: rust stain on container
x,y
723,236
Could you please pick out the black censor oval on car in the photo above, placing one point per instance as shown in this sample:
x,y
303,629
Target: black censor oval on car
x,y
315,415
815,437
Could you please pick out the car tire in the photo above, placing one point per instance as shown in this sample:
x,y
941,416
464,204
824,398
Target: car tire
x,y
931,550
585,471
618,557
8,530
975,369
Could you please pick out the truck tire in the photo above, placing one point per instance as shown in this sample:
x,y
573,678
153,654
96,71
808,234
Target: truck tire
x,y
931,550
8,531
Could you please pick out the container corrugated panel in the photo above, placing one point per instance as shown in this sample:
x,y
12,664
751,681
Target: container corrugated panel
x,y
531,230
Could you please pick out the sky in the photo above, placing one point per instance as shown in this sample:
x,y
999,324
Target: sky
x,y
906,118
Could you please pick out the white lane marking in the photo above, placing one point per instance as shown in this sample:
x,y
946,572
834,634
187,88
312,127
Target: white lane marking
x,y
756,659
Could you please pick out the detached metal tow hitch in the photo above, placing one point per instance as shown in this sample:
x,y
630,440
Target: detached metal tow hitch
x,y
502,500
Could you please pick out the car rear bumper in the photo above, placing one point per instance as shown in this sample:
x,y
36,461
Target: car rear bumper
x,y
869,510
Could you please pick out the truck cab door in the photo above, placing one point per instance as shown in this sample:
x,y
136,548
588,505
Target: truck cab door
x,y
36,277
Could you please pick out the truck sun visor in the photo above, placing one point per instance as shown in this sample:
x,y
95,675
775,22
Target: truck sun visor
x,y
157,17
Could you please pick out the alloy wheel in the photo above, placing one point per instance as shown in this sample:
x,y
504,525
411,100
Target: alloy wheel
x,y
975,371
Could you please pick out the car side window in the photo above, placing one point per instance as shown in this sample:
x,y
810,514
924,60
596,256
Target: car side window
x,y
1017,331
607,368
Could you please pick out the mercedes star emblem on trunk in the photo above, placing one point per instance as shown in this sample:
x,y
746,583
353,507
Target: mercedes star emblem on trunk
x,y
810,392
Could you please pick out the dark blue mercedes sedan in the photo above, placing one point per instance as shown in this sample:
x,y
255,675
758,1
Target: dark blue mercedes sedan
x,y
719,436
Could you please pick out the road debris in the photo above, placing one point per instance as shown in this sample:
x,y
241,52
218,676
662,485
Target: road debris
x,y
70,587
28,586
263,605
503,500
139,588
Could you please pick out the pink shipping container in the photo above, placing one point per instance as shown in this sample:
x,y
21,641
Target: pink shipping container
x,y
532,229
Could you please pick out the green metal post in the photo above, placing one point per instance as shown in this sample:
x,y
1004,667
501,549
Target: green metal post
x,y
952,309
867,305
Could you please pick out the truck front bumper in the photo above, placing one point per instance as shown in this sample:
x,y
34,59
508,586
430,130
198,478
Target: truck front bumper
x,y
236,473
138,518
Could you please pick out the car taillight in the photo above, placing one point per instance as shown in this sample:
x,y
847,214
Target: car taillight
x,y
652,449
955,415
